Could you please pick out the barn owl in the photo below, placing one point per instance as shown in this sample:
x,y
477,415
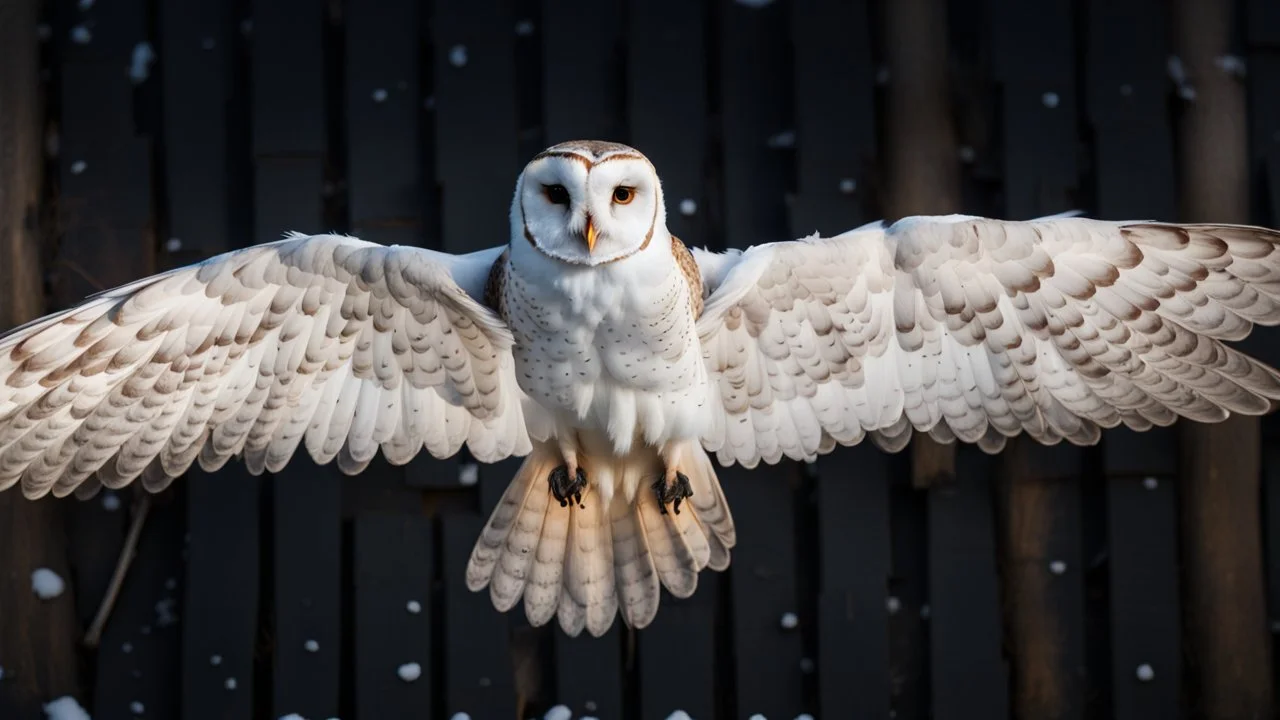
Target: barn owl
x,y
617,361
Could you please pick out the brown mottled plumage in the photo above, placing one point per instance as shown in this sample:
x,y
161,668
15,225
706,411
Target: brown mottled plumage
x,y
689,268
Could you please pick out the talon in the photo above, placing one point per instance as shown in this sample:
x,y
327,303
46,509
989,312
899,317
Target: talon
x,y
672,494
565,489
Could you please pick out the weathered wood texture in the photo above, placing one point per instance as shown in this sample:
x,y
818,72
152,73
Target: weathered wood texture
x,y
939,583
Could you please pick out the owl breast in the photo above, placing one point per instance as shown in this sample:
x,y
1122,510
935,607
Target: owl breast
x,y
609,349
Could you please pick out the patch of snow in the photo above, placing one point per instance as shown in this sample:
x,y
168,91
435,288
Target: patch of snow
x,y
1146,673
559,712
47,584
893,604
215,660
65,708
80,35
688,206
458,55
1231,65
230,683
1050,100
78,167
164,612
409,672
784,139
137,708
469,474
311,646
790,621
1150,483
380,95
413,606
1057,567
110,500
140,67
524,28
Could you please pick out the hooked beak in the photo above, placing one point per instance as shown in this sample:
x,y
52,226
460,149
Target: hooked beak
x,y
590,234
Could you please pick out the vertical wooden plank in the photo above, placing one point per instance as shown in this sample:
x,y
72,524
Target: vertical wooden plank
x,y
384,183
289,143
666,55
1133,160
219,620
221,594
41,652
964,595
1142,531
835,122
1041,493
853,621
758,134
665,45
1224,613
476,165
479,678
308,588
138,659
582,100
1044,578
106,217
394,563
835,152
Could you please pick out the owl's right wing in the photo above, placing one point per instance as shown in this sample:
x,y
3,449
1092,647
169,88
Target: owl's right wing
x,y
342,344
977,329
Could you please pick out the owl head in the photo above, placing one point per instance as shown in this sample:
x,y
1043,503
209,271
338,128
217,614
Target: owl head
x,y
587,202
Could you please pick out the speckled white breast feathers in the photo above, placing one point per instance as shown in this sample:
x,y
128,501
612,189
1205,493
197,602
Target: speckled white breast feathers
x,y
610,349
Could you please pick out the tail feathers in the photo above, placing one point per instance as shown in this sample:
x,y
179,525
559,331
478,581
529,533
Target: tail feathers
x,y
586,563
633,560
589,571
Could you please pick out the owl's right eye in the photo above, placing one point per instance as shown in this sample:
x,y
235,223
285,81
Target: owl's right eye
x,y
557,194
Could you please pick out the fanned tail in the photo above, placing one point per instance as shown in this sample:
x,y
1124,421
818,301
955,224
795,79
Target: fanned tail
x,y
587,562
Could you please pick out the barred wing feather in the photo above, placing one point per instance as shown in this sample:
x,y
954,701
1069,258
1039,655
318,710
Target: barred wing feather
x,y
979,329
344,345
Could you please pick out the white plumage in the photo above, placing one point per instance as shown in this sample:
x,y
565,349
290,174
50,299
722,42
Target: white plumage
x,y
596,345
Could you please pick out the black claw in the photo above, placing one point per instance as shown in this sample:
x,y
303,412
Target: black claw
x,y
672,494
565,489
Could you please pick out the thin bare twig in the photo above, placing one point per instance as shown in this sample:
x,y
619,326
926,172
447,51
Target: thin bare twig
x,y
140,509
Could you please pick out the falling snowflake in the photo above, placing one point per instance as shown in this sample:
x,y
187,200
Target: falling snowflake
x,y
458,55
409,672
47,584
688,206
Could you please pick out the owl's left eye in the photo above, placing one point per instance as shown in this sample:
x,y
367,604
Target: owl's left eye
x,y
556,194
623,194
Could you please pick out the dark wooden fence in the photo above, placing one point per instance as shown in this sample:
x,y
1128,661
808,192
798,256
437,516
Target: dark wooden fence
x,y
1131,580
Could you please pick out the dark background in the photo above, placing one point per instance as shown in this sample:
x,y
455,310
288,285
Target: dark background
x,y
1137,579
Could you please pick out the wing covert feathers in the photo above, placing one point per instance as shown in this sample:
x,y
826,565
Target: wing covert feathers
x,y
339,344
979,330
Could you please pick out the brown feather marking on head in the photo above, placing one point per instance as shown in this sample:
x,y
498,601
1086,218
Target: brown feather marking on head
x,y
689,266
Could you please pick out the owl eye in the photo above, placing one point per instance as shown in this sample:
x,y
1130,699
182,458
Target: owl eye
x,y
623,195
556,194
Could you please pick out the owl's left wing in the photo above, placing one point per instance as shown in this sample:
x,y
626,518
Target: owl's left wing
x,y
981,329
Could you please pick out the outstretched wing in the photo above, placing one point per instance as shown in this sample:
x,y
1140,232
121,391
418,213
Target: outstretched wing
x,y
981,329
344,344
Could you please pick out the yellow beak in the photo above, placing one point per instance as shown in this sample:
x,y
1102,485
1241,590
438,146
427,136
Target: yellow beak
x,y
591,235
